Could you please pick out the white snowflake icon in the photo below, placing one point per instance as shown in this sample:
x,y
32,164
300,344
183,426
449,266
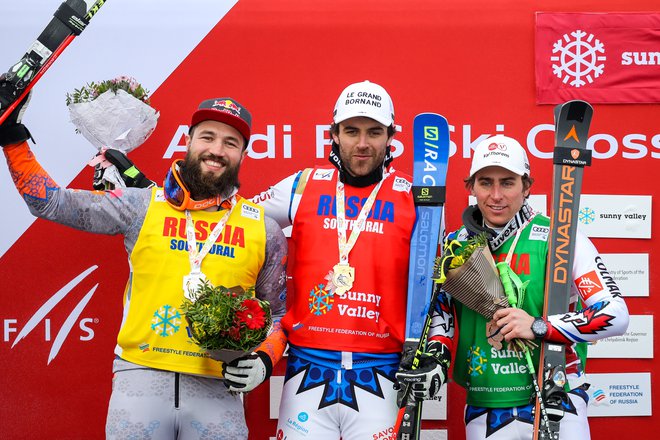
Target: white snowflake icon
x,y
579,58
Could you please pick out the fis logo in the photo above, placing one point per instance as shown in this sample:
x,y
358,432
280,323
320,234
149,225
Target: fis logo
x,y
323,174
40,316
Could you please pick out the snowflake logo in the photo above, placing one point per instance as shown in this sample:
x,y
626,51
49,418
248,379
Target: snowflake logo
x,y
476,360
320,300
166,321
586,215
578,57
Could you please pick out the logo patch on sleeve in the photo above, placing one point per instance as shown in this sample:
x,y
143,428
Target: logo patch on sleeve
x,y
588,284
539,233
323,174
402,185
159,196
248,211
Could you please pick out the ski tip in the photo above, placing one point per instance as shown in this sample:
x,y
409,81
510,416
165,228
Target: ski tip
x,y
429,116
575,110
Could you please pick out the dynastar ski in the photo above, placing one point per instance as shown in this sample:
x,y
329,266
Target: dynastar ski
x,y
69,20
431,154
572,121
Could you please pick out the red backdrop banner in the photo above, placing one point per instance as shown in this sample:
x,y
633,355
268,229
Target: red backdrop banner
x,y
607,58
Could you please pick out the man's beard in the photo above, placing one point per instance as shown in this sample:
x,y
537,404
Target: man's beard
x,y
206,185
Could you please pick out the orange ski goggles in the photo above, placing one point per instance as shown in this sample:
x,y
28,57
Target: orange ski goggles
x,y
178,195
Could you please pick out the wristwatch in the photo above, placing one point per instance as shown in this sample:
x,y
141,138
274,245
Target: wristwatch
x,y
539,328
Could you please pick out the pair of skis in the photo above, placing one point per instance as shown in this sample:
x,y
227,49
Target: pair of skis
x,y
572,121
431,154
68,21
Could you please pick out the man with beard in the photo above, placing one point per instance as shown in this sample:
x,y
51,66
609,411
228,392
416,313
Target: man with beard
x,y
352,223
195,228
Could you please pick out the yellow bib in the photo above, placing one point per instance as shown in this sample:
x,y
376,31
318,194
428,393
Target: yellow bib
x,y
154,331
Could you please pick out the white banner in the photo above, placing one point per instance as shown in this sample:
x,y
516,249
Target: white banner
x,y
615,216
635,343
619,394
630,271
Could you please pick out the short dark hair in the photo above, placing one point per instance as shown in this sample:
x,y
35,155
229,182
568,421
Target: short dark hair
x,y
191,131
334,129
526,181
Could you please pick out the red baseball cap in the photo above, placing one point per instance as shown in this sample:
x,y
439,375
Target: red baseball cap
x,y
226,110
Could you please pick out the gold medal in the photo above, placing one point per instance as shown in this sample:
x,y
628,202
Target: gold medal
x,y
343,276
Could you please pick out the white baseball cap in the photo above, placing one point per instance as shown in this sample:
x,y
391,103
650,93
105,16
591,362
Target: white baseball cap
x,y
364,99
500,151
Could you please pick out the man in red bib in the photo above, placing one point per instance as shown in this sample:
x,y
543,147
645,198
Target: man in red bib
x,y
352,223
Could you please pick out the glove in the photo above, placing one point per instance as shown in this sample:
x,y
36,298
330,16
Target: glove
x,y
11,130
425,381
123,174
246,373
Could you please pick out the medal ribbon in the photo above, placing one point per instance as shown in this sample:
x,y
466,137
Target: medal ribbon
x,y
194,255
345,246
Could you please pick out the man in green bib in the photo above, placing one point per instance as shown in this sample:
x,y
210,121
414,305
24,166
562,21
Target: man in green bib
x,y
500,393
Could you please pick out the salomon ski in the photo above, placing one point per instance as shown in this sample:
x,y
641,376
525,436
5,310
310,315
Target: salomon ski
x,y
572,121
431,154
69,20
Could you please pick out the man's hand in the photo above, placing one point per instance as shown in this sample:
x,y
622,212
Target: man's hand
x,y
514,323
426,380
12,131
123,174
246,373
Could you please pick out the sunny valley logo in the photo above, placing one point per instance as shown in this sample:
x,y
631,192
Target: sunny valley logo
x,y
586,215
578,58
476,360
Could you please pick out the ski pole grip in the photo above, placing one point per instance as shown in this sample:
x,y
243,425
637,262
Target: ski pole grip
x,y
503,269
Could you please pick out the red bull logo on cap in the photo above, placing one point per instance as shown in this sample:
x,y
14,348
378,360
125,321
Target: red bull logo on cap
x,y
227,104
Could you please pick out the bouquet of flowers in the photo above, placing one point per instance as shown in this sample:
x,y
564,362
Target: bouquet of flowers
x,y
112,114
470,275
227,323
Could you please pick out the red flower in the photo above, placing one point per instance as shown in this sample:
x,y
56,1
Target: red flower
x,y
253,315
235,333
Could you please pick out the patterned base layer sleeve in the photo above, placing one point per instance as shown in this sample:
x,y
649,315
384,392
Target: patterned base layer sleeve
x,y
112,212
604,313
275,343
271,286
443,321
30,179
